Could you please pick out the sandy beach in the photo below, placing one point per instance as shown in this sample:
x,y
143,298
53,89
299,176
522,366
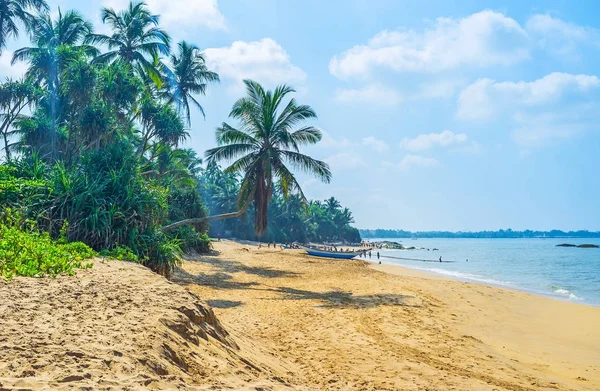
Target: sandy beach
x,y
348,325
281,320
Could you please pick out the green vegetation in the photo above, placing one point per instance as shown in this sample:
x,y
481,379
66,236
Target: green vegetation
x,y
25,251
290,219
92,135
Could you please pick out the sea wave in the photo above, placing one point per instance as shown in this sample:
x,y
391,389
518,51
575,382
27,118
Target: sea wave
x,y
565,293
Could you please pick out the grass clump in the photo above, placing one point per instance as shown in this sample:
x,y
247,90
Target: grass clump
x,y
121,253
31,253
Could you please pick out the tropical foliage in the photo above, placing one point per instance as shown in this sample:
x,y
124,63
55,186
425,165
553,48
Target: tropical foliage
x,y
291,219
263,146
25,251
92,143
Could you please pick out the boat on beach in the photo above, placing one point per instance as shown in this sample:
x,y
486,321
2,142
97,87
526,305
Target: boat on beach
x,y
331,254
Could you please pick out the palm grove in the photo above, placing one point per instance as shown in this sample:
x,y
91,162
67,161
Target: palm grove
x,y
91,142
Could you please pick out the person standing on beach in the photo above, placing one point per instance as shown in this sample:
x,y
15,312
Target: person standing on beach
x,y
377,254
440,258
369,254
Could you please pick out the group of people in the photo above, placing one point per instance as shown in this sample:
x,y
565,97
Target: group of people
x,y
371,245
281,246
364,254
334,249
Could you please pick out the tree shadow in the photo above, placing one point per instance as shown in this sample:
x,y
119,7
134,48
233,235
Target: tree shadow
x,y
342,299
224,303
228,266
217,280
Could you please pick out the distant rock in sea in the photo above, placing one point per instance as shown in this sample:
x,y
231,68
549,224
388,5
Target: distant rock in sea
x,y
579,246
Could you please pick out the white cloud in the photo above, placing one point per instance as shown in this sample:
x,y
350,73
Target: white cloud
x,y
485,97
181,13
427,141
560,37
375,94
377,145
480,40
264,61
410,161
345,161
330,142
6,70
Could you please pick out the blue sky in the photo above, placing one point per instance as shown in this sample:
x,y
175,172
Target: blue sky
x,y
437,115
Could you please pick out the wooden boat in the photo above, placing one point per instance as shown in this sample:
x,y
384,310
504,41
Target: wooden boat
x,y
331,254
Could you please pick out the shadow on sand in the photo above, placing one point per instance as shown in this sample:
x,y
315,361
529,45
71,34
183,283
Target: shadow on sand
x,y
227,266
342,299
217,280
224,303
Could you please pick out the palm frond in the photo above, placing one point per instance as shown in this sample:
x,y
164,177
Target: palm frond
x,y
229,135
309,165
228,152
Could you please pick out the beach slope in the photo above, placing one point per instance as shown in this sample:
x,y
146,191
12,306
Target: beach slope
x,y
118,326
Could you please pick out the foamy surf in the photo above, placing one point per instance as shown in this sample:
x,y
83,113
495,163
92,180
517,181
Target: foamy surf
x,y
565,293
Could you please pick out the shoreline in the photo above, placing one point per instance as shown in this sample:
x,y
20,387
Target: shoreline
x,y
426,273
403,270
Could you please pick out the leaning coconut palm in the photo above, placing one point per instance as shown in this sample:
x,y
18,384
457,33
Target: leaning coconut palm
x,y
188,76
262,148
12,11
136,39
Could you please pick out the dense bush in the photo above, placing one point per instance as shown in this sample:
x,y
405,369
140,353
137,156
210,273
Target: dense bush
x,y
29,252
104,200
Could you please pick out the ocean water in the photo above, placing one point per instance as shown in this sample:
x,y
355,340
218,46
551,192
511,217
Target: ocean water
x,y
531,265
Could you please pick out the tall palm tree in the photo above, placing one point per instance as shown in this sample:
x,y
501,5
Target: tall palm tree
x,y
189,76
344,217
12,11
332,205
136,39
263,147
15,96
56,42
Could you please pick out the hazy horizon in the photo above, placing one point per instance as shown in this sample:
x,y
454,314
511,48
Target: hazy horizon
x,y
458,117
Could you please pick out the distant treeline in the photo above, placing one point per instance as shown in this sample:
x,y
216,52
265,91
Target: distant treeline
x,y
509,233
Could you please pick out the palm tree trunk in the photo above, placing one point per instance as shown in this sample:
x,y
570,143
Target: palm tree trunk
x,y
53,97
198,220
6,151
